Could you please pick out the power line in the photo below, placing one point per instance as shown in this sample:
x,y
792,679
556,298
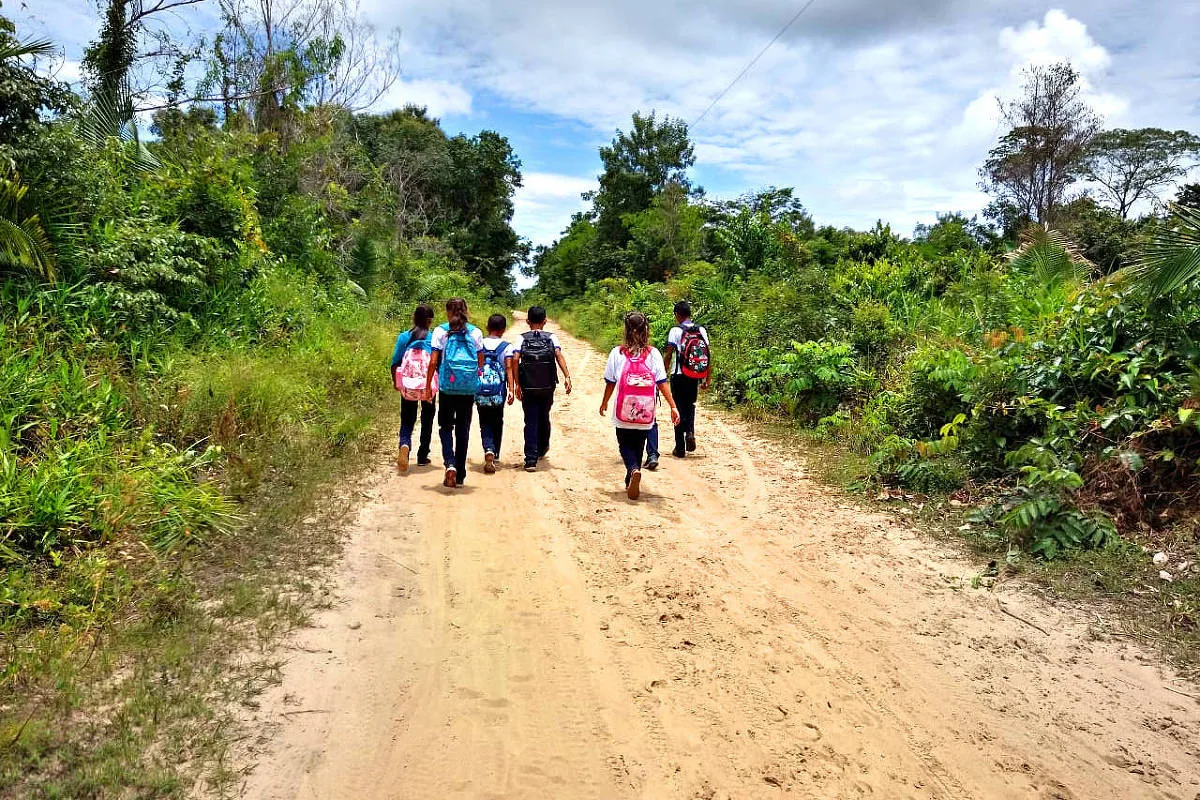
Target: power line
x,y
753,61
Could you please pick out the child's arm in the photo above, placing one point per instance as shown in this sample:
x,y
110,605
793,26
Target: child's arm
x,y
515,383
562,364
608,391
511,371
664,389
434,358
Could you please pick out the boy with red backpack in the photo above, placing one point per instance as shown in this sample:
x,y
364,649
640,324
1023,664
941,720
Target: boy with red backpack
x,y
410,366
635,371
689,361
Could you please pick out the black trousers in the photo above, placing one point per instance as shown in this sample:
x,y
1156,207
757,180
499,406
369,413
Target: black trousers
x,y
408,421
685,391
537,424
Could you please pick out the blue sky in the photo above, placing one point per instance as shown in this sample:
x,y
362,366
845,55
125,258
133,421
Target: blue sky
x,y
870,109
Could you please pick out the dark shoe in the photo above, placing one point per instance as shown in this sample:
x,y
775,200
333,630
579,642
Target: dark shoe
x,y
423,462
678,452
451,479
543,453
651,463
634,489
531,466
402,458
691,442
489,463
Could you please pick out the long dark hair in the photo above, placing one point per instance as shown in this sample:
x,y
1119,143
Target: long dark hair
x,y
422,319
456,313
637,333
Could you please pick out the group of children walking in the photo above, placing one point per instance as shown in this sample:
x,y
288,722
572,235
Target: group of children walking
x,y
455,369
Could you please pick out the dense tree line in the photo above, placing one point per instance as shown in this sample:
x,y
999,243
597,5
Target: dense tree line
x,y
1043,358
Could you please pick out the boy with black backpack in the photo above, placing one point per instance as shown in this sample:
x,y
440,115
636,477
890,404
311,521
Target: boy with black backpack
x,y
689,363
534,357
494,390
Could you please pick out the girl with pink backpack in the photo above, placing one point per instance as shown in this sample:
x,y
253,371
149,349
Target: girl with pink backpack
x,y
635,371
410,365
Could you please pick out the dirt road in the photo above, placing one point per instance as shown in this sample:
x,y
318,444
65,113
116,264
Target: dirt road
x,y
738,633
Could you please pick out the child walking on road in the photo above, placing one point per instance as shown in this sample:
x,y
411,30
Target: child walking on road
x,y
495,389
410,365
456,364
534,358
635,370
688,361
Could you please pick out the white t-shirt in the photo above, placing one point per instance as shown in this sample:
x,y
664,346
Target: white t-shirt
x,y
516,348
438,343
616,365
490,343
675,339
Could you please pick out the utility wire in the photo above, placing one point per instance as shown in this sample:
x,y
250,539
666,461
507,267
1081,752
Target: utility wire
x,y
753,61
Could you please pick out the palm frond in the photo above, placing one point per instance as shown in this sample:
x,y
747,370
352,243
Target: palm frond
x,y
37,47
110,117
1050,257
1172,259
23,241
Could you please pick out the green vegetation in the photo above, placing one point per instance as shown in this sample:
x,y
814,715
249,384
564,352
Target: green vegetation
x,y
1044,373
189,321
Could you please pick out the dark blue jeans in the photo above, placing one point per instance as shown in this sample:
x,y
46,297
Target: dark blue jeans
x,y
652,443
537,425
454,426
408,421
632,444
491,428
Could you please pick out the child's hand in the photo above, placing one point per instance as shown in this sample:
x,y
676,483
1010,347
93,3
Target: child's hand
x,y
510,398
674,415
568,384
519,393
603,409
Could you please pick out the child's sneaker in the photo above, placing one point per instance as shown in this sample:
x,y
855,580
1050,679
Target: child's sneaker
x,y
531,466
634,489
402,458
690,439
489,463
451,479
651,463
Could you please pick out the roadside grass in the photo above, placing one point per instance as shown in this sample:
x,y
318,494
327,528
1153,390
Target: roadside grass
x,y
1119,584
126,661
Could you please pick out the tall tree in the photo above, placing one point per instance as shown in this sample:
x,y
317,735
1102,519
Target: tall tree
x,y
1189,195
1133,165
1045,151
637,166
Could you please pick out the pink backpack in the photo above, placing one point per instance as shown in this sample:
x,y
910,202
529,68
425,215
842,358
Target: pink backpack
x,y
411,374
635,391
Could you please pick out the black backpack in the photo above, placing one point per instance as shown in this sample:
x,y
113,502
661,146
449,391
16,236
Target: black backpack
x,y
536,372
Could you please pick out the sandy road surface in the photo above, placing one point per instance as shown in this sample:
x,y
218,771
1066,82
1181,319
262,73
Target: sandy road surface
x,y
738,633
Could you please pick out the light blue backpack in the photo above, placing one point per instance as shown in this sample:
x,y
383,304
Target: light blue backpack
x,y
459,370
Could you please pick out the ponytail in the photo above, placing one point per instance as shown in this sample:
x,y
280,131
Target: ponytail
x,y
637,333
422,318
456,313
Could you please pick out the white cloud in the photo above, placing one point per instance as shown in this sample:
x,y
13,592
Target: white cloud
x,y
544,203
440,97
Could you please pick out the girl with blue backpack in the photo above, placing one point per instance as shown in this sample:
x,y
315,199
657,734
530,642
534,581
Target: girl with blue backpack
x,y
494,390
456,364
410,366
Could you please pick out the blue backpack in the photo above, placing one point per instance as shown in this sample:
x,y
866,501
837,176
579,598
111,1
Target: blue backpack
x,y
493,383
459,370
